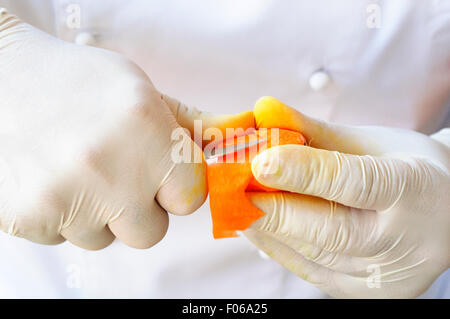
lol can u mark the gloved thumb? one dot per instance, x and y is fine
(369, 182)
(186, 181)
(186, 117)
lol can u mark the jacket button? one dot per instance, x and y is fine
(85, 38)
(319, 80)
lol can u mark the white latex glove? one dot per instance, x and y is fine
(85, 145)
(379, 222)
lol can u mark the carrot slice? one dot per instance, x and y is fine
(231, 177)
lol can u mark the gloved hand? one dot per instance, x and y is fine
(85, 145)
(369, 210)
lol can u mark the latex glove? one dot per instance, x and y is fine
(85, 145)
(379, 222)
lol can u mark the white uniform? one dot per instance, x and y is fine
(358, 62)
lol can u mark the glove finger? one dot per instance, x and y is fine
(115, 198)
(390, 267)
(140, 226)
(176, 179)
(184, 189)
(132, 164)
(357, 140)
(334, 283)
(89, 238)
(377, 283)
(271, 113)
(351, 265)
(359, 181)
(324, 224)
(33, 228)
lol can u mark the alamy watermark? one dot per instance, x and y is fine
(234, 145)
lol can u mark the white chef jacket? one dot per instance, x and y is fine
(364, 62)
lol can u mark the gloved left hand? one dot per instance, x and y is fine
(86, 144)
(369, 210)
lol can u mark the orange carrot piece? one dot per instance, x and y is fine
(228, 182)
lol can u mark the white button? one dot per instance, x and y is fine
(85, 38)
(319, 80)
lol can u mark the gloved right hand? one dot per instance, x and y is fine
(85, 145)
(367, 212)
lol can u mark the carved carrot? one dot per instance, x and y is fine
(231, 177)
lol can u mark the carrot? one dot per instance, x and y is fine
(231, 177)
